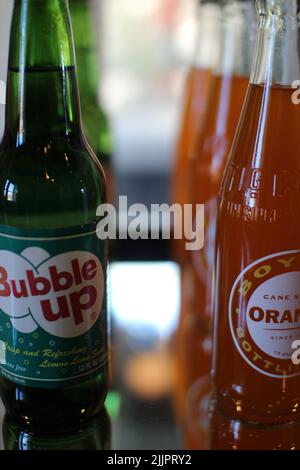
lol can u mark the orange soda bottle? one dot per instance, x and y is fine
(230, 77)
(194, 105)
(228, 90)
(257, 288)
(211, 152)
(196, 98)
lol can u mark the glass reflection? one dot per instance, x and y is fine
(94, 435)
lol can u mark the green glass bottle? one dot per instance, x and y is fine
(95, 434)
(95, 121)
(53, 321)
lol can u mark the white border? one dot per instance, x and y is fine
(230, 314)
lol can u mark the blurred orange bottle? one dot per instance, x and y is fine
(239, 25)
(197, 415)
(257, 295)
(196, 98)
(237, 30)
(194, 105)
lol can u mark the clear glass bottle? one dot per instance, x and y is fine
(188, 346)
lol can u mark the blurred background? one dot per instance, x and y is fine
(139, 53)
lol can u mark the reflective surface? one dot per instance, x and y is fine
(95, 435)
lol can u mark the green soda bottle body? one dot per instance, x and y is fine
(53, 338)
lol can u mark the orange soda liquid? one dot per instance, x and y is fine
(210, 158)
(257, 296)
(196, 99)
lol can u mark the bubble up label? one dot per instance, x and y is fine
(53, 329)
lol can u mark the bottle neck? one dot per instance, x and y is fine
(42, 93)
(277, 60)
(208, 41)
(238, 33)
(85, 47)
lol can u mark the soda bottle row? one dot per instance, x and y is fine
(223, 55)
(245, 283)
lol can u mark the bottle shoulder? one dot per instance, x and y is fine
(60, 157)
(62, 183)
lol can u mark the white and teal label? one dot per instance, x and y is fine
(53, 325)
